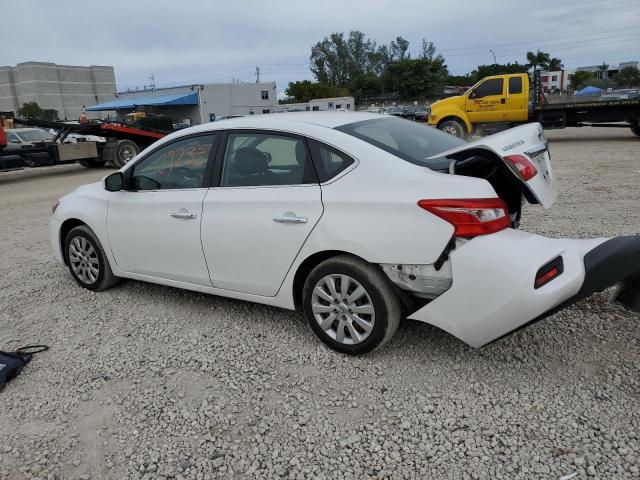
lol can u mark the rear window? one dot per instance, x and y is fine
(410, 141)
(515, 85)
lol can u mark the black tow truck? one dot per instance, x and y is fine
(121, 143)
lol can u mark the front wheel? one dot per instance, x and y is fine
(453, 127)
(635, 128)
(87, 261)
(350, 305)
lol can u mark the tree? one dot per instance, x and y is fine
(603, 70)
(628, 77)
(555, 64)
(496, 69)
(538, 59)
(338, 60)
(417, 78)
(365, 86)
(30, 110)
(580, 79)
(305, 90)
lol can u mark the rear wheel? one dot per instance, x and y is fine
(120, 153)
(350, 305)
(453, 127)
(87, 261)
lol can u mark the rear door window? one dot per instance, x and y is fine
(265, 159)
(515, 85)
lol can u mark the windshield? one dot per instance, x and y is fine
(35, 136)
(411, 141)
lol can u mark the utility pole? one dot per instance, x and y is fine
(153, 82)
(257, 74)
(495, 62)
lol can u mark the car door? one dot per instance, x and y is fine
(265, 203)
(517, 100)
(154, 225)
(486, 102)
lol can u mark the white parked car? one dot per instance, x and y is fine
(356, 219)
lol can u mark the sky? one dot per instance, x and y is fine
(198, 41)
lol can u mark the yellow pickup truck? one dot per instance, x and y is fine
(499, 102)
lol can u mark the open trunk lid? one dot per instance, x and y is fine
(527, 141)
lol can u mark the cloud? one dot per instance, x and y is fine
(181, 42)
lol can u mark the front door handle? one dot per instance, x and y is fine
(184, 214)
(503, 101)
(290, 217)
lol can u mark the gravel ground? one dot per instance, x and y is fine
(145, 381)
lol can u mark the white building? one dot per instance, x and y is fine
(611, 71)
(195, 104)
(320, 105)
(558, 80)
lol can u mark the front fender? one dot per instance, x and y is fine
(450, 113)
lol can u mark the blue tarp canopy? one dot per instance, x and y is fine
(160, 100)
(589, 90)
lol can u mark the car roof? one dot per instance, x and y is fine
(322, 119)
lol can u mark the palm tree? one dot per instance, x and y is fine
(603, 70)
(555, 64)
(538, 59)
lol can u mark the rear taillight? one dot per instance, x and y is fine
(523, 166)
(471, 217)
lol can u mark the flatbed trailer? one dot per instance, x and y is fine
(122, 143)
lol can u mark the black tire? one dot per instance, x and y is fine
(92, 162)
(378, 288)
(104, 278)
(635, 128)
(453, 127)
(123, 152)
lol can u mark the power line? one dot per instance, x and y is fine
(484, 47)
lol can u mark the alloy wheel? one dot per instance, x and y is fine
(343, 309)
(83, 259)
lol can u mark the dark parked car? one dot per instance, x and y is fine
(421, 113)
(404, 112)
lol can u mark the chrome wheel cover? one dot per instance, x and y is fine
(83, 259)
(127, 153)
(343, 309)
(451, 130)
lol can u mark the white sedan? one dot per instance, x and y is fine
(356, 219)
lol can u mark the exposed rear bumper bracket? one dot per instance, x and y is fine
(616, 261)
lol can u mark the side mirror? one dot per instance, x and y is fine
(472, 94)
(114, 182)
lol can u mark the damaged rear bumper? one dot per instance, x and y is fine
(493, 292)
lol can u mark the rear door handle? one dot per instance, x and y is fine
(184, 214)
(290, 217)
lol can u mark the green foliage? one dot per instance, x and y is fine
(417, 78)
(460, 80)
(338, 60)
(628, 77)
(305, 90)
(581, 79)
(366, 85)
(33, 110)
(496, 69)
(357, 63)
(555, 64)
(538, 60)
(30, 110)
